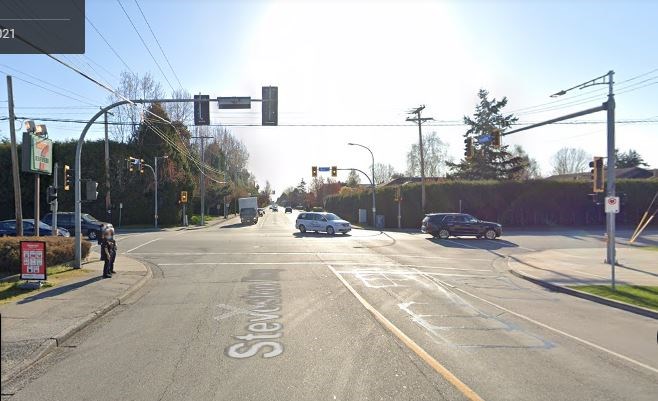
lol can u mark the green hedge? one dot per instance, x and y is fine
(58, 250)
(512, 203)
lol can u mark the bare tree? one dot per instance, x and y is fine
(180, 111)
(353, 179)
(570, 161)
(383, 173)
(436, 156)
(132, 86)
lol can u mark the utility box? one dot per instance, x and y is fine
(379, 223)
(363, 216)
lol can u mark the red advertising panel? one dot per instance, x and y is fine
(33, 260)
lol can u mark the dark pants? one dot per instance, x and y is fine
(107, 267)
(113, 255)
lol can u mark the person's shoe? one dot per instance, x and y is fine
(113, 272)
(107, 276)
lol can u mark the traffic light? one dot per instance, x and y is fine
(183, 196)
(141, 166)
(468, 148)
(598, 176)
(91, 190)
(130, 161)
(67, 177)
(495, 138)
(314, 171)
(270, 109)
(334, 171)
(51, 194)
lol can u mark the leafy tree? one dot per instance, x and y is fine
(488, 162)
(629, 159)
(570, 161)
(132, 86)
(435, 153)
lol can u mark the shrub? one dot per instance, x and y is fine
(512, 203)
(195, 220)
(58, 250)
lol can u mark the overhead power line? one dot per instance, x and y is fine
(159, 46)
(145, 45)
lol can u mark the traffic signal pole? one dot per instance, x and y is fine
(609, 107)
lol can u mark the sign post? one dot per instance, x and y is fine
(33, 262)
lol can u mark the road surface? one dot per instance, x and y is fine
(265, 313)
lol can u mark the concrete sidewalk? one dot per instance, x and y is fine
(33, 326)
(567, 267)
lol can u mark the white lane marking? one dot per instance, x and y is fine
(404, 273)
(139, 246)
(305, 253)
(546, 326)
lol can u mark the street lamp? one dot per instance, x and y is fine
(155, 175)
(374, 205)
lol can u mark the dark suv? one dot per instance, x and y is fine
(443, 225)
(91, 227)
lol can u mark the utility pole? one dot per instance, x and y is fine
(202, 186)
(155, 175)
(417, 111)
(18, 209)
(610, 108)
(108, 201)
(374, 187)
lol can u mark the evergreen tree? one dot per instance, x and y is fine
(629, 159)
(488, 162)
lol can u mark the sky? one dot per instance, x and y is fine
(367, 63)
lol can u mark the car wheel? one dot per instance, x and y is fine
(444, 234)
(302, 229)
(92, 235)
(490, 234)
(330, 230)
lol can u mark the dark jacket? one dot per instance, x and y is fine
(108, 248)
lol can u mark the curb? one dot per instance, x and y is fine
(51, 343)
(584, 295)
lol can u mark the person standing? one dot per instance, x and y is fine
(106, 256)
(113, 249)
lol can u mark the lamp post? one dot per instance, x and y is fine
(374, 204)
(155, 175)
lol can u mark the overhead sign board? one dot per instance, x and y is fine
(323, 169)
(37, 154)
(612, 204)
(33, 260)
(202, 110)
(484, 138)
(234, 102)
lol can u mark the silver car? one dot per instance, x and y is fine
(322, 222)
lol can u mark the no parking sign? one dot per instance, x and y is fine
(612, 204)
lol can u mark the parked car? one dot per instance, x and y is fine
(90, 226)
(288, 209)
(8, 229)
(444, 225)
(275, 208)
(325, 222)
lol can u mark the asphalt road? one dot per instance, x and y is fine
(265, 313)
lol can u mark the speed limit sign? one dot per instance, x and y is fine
(612, 204)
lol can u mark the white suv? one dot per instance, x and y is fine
(325, 222)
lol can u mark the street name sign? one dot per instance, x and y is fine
(234, 102)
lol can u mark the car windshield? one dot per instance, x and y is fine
(89, 217)
(491, 168)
